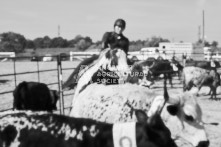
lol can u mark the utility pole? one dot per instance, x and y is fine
(203, 38)
(58, 30)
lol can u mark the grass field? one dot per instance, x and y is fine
(211, 109)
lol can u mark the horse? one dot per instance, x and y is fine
(112, 62)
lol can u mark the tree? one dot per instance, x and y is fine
(38, 42)
(59, 42)
(46, 42)
(30, 44)
(82, 44)
(214, 44)
(11, 41)
(71, 43)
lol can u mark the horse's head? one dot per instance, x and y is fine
(118, 59)
(115, 60)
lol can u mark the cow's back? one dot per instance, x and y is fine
(42, 129)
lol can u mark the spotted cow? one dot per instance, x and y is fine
(25, 129)
(182, 114)
(34, 96)
(198, 77)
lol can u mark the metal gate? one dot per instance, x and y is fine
(59, 82)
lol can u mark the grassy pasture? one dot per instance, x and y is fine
(211, 109)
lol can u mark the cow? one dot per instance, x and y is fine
(111, 105)
(204, 64)
(138, 76)
(155, 68)
(177, 68)
(34, 96)
(49, 130)
(198, 77)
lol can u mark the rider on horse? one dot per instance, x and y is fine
(112, 40)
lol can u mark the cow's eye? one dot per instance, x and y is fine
(189, 118)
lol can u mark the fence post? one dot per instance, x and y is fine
(60, 83)
(14, 60)
(38, 70)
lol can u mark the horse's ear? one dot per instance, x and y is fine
(108, 54)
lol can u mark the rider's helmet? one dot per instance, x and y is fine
(121, 23)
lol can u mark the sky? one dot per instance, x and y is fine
(176, 20)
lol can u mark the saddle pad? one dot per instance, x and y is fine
(124, 134)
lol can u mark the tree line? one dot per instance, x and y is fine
(15, 42)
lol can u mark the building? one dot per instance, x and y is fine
(179, 49)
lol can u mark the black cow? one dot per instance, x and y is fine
(203, 64)
(138, 76)
(34, 96)
(51, 130)
(157, 67)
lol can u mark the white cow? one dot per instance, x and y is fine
(112, 103)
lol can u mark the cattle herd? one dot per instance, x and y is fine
(114, 105)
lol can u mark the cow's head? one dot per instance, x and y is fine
(176, 65)
(183, 116)
(156, 131)
(54, 98)
(138, 76)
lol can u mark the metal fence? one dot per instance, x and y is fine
(59, 70)
(38, 71)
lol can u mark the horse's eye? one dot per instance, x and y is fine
(189, 118)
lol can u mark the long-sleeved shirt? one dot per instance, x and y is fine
(113, 40)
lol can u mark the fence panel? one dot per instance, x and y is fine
(16, 70)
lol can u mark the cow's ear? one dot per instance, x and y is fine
(172, 109)
(141, 116)
(155, 121)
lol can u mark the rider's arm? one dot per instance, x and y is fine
(105, 42)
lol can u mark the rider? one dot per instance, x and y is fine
(114, 39)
